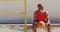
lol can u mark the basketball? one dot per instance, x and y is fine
(41, 25)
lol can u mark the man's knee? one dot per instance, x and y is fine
(35, 23)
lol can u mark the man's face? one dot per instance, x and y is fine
(39, 7)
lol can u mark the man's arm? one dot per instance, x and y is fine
(47, 19)
(35, 19)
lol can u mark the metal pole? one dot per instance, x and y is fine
(25, 29)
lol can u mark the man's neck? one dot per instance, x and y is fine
(40, 11)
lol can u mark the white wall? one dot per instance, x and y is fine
(12, 6)
(52, 6)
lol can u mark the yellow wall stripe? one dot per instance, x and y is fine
(11, 13)
(10, 0)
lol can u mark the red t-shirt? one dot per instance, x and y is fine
(39, 16)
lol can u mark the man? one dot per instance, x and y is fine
(40, 18)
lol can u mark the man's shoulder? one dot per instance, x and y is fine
(45, 11)
(35, 11)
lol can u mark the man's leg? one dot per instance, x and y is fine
(34, 26)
